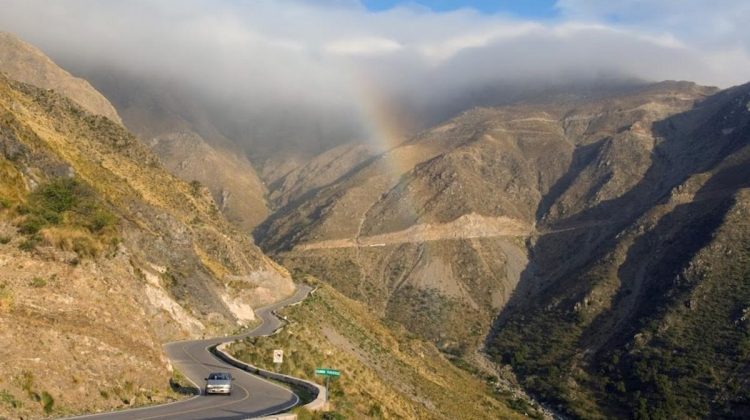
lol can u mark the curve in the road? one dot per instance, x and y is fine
(251, 396)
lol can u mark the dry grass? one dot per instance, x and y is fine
(386, 373)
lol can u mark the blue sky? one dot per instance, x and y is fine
(530, 9)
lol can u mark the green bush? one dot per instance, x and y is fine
(32, 224)
(4, 239)
(30, 243)
(48, 403)
(85, 247)
(5, 203)
(38, 282)
(9, 399)
(64, 201)
(57, 196)
(99, 220)
(195, 188)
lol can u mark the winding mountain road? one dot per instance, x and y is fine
(251, 396)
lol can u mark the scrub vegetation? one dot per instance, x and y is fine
(386, 372)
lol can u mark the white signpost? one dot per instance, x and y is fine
(278, 358)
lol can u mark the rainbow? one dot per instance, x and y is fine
(384, 121)
(386, 124)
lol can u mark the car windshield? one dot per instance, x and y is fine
(218, 376)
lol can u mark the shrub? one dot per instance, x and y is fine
(85, 246)
(74, 240)
(48, 403)
(99, 220)
(69, 213)
(32, 224)
(26, 381)
(57, 196)
(38, 282)
(30, 243)
(195, 188)
(5, 203)
(51, 202)
(375, 411)
(9, 399)
(4, 239)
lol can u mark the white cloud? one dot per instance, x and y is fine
(258, 57)
(362, 46)
(700, 23)
(447, 48)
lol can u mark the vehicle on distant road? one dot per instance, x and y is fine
(219, 383)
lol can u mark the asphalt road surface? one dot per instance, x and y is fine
(251, 396)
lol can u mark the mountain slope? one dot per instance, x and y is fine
(25, 63)
(385, 372)
(105, 255)
(230, 178)
(188, 143)
(652, 323)
(433, 233)
(317, 172)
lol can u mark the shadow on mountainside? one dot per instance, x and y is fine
(265, 229)
(684, 149)
(538, 331)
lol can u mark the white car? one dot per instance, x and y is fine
(219, 383)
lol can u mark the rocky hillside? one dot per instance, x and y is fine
(24, 62)
(317, 172)
(433, 234)
(229, 177)
(606, 236)
(640, 307)
(188, 143)
(104, 256)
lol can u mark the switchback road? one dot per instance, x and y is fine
(251, 396)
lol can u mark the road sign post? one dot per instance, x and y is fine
(278, 358)
(327, 373)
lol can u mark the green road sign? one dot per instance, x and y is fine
(327, 372)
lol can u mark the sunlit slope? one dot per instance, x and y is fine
(436, 233)
(187, 141)
(104, 256)
(386, 372)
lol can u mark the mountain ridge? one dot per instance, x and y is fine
(24, 62)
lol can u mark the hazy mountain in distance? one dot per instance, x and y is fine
(320, 171)
(186, 139)
(279, 132)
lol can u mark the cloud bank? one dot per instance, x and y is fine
(323, 59)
